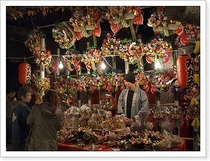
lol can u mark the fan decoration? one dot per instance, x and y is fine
(71, 61)
(110, 46)
(123, 17)
(64, 35)
(157, 48)
(33, 41)
(141, 79)
(160, 82)
(131, 52)
(43, 57)
(187, 34)
(160, 23)
(86, 22)
(138, 18)
(90, 57)
(42, 84)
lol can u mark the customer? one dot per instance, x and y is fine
(10, 101)
(20, 113)
(45, 121)
(133, 101)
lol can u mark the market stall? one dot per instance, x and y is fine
(89, 93)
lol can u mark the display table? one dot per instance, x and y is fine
(69, 147)
(181, 147)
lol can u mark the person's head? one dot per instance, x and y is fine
(11, 92)
(24, 94)
(51, 96)
(130, 80)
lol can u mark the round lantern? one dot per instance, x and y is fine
(24, 73)
(184, 71)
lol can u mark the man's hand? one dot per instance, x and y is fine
(127, 121)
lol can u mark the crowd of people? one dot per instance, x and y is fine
(34, 127)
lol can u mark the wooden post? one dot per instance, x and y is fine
(42, 71)
(126, 67)
(58, 60)
(133, 33)
(114, 62)
(42, 66)
(89, 99)
(94, 41)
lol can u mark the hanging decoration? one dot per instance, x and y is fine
(138, 19)
(97, 30)
(33, 41)
(64, 35)
(141, 79)
(123, 17)
(185, 71)
(86, 21)
(24, 73)
(90, 57)
(43, 57)
(110, 46)
(133, 51)
(160, 23)
(159, 48)
(187, 34)
(42, 84)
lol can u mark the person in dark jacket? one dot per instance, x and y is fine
(45, 121)
(20, 113)
(10, 100)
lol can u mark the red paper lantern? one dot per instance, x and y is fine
(184, 71)
(24, 73)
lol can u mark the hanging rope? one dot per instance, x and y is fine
(18, 58)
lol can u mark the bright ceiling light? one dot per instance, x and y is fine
(60, 66)
(157, 64)
(103, 65)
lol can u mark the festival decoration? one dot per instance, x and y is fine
(161, 82)
(160, 23)
(197, 47)
(141, 79)
(64, 35)
(187, 34)
(138, 19)
(86, 21)
(71, 61)
(110, 46)
(24, 73)
(41, 84)
(43, 57)
(131, 52)
(33, 41)
(90, 57)
(123, 17)
(157, 49)
(85, 115)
